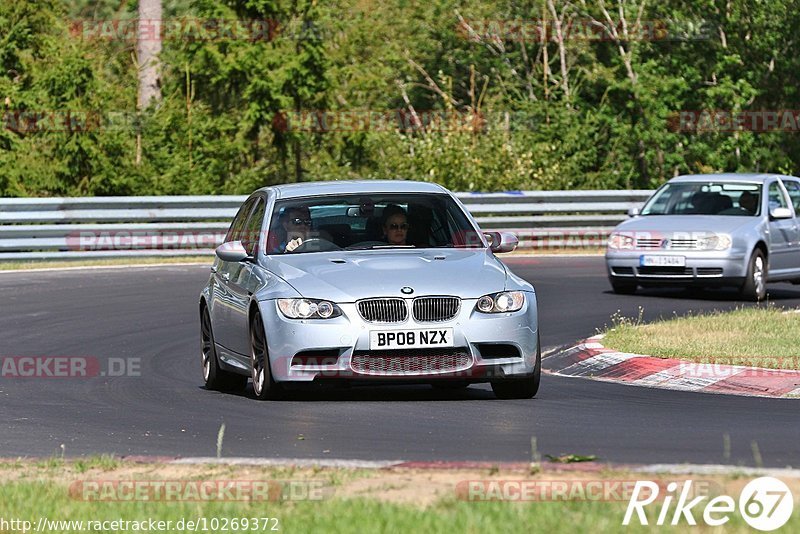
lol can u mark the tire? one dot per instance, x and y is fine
(521, 388)
(214, 376)
(264, 387)
(623, 287)
(755, 284)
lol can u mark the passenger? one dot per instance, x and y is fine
(749, 202)
(395, 225)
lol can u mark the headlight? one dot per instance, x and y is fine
(507, 301)
(308, 309)
(714, 242)
(620, 242)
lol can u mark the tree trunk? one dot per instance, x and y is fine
(148, 47)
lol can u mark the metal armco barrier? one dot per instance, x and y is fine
(98, 227)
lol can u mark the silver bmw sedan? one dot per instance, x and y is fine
(365, 282)
(739, 230)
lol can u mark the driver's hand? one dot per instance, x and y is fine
(293, 244)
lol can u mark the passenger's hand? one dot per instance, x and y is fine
(293, 244)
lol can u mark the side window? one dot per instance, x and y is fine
(794, 194)
(252, 232)
(776, 197)
(235, 231)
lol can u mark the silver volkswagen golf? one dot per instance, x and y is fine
(739, 230)
(366, 281)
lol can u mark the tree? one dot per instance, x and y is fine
(148, 48)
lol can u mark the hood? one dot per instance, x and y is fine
(686, 223)
(353, 275)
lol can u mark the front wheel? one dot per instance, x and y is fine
(521, 388)
(264, 386)
(755, 284)
(215, 377)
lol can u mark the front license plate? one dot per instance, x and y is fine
(411, 339)
(662, 261)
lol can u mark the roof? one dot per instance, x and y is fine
(728, 177)
(344, 187)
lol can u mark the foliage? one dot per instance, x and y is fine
(603, 117)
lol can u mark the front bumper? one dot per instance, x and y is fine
(485, 347)
(708, 268)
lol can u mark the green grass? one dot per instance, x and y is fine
(25, 265)
(31, 500)
(104, 462)
(550, 251)
(757, 337)
(42, 489)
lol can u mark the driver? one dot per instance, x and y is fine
(296, 223)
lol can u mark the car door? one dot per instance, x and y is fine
(226, 277)
(242, 282)
(793, 188)
(782, 232)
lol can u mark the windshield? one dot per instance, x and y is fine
(369, 221)
(706, 198)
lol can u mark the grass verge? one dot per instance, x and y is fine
(27, 265)
(756, 337)
(353, 500)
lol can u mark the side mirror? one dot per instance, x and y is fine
(780, 213)
(232, 251)
(502, 241)
(634, 211)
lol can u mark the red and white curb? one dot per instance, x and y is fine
(590, 359)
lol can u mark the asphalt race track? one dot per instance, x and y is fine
(150, 314)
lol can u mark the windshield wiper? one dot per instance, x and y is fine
(378, 247)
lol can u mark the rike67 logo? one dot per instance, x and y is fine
(765, 503)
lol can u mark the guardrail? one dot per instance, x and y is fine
(98, 227)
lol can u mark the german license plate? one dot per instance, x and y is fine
(662, 261)
(411, 339)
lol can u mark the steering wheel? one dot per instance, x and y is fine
(316, 244)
